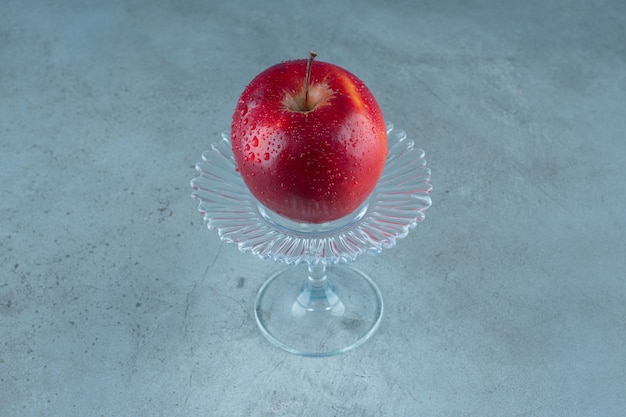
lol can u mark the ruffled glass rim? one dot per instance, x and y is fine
(396, 205)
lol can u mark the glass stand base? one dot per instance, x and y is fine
(314, 310)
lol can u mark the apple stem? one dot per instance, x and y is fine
(312, 56)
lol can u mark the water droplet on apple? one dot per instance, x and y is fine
(250, 156)
(247, 146)
(255, 141)
(245, 121)
(266, 156)
(244, 111)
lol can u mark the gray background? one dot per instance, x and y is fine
(508, 300)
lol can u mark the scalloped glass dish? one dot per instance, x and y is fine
(322, 308)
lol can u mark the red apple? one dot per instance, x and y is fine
(309, 140)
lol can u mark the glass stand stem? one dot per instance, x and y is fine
(317, 294)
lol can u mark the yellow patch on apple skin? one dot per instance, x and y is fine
(352, 91)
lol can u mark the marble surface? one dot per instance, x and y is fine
(509, 300)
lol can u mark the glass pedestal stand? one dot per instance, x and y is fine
(318, 306)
